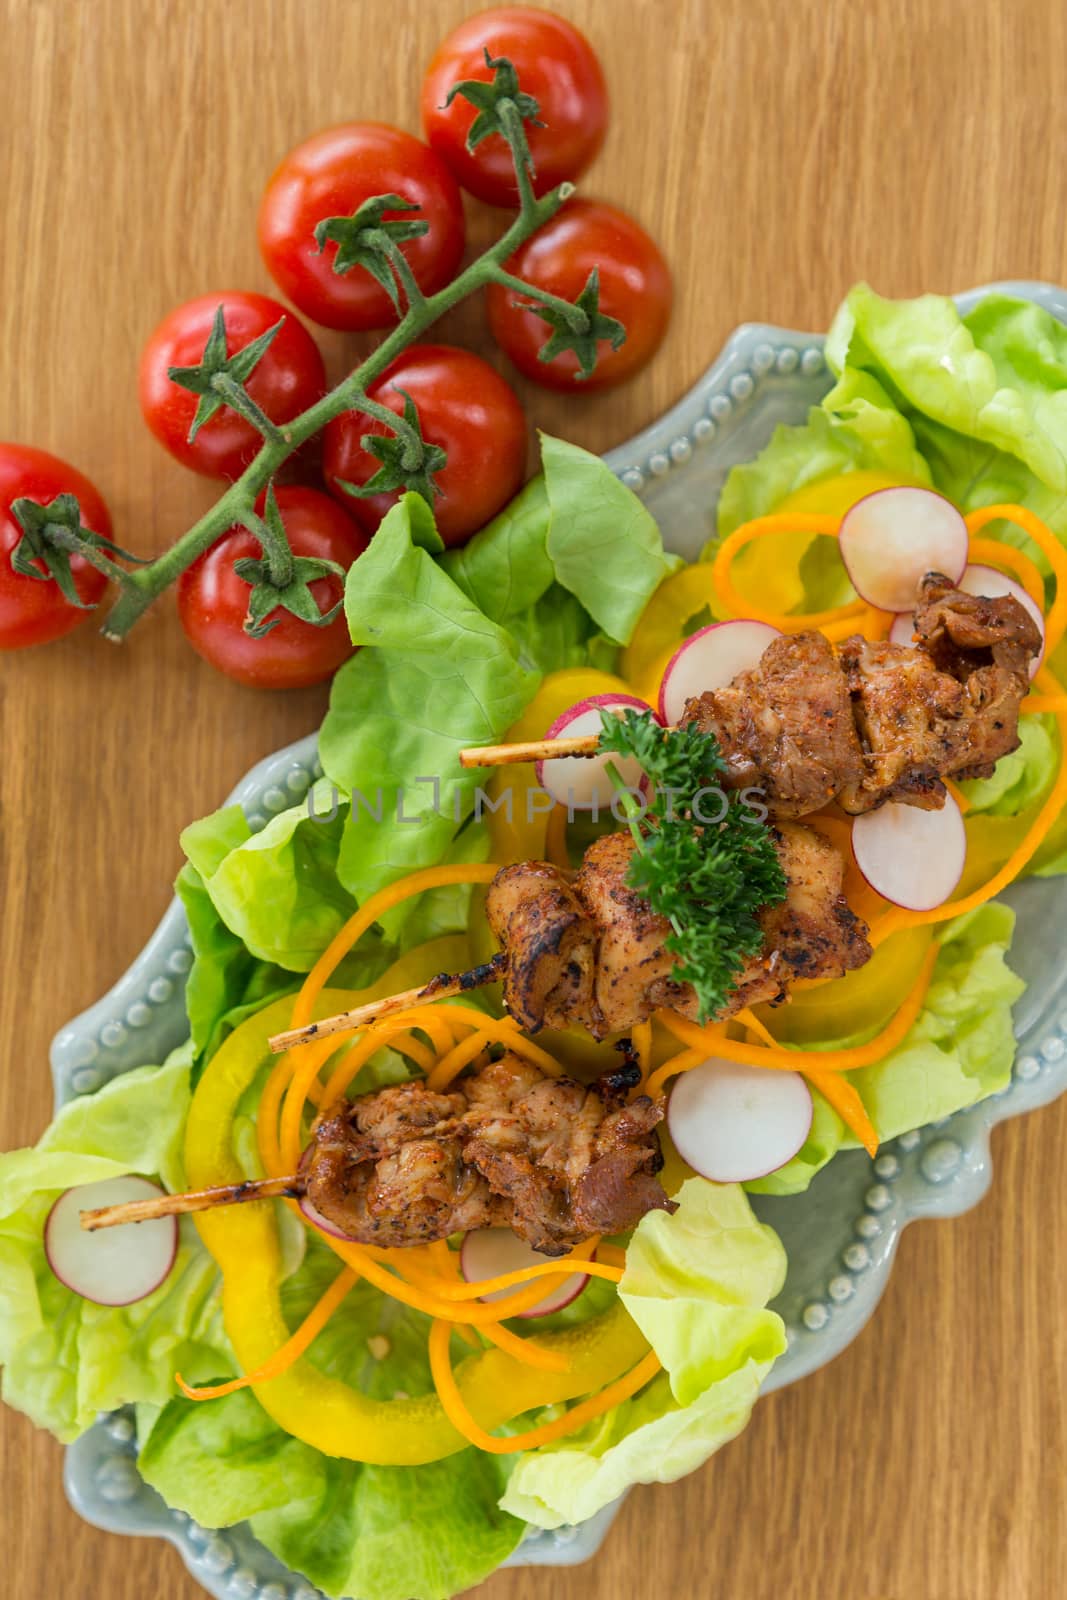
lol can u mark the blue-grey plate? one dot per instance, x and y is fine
(840, 1236)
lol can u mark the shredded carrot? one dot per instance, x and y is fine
(958, 795)
(392, 1032)
(843, 629)
(443, 1300)
(1050, 547)
(682, 1062)
(1034, 703)
(525, 1350)
(705, 1044)
(642, 1045)
(611, 1255)
(546, 1269)
(274, 1091)
(406, 1044)
(1006, 558)
(456, 1410)
(309, 1058)
(1050, 811)
(556, 837)
(267, 1116)
(291, 1350)
(748, 1019)
(503, 1031)
(367, 915)
(876, 624)
(460, 1056)
(732, 601)
(845, 1099)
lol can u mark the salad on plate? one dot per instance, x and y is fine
(631, 887)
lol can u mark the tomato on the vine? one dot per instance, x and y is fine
(555, 64)
(635, 288)
(331, 175)
(288, 378)
(33, 610)
(213, 600)
(467, 409)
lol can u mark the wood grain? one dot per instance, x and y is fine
(779, 149)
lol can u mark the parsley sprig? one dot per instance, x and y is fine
(711, 880)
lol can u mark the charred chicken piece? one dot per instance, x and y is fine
(948, 708)
(811, 934)
(571, 1160)
(814, 933)
(551, 942)
(554, 1160)
(389, 1169)
(786, 726)
(633, 969)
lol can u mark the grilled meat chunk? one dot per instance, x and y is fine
(987, 646)
(538, 919)
(572, 1161)
(633, 969)
(786, 726)
(949, 707)
(813, 933)
(389, 1168)
(554, 1160)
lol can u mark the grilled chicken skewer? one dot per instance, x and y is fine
(868, 723)
(589, 951)
(555, 1160)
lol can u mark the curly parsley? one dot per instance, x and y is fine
(704, 859)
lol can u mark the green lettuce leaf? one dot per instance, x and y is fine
(576, 544)
(697, 1285)
(857, 428)
(960, 1049)
(378, 1533)
(1021, 778)
(440, 675)
(277, 890)
(64, 1359)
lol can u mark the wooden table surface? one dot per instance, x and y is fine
(779, 149)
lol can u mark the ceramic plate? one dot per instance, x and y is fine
(840, 1236)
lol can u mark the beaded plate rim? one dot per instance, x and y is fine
(937, 1171)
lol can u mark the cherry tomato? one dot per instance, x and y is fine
(33, 611)
(288, 378)
(467, 409)
(555, 64)
(635, 287)
(332, 175)
(213, 600)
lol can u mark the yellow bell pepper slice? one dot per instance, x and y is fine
(322, 1411)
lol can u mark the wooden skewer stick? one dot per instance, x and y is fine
(506, 755)
(173, 1205)
(442, 987)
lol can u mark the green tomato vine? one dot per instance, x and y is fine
(366, 241)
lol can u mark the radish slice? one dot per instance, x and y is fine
(490, 1252)
(903, 629)
(580, 782)
(992, 584)
(711, 659)
(732, 1122)
(324, 1225)
(114, 1266)
(914, 858)
(892, 538)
